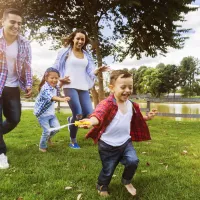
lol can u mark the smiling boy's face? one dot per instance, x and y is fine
(122, 88)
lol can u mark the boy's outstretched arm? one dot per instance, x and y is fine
(93, 121)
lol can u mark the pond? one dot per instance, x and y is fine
(178, 108)
(192, 108)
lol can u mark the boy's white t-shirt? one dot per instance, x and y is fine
(51, 109)
(11, 59)
(118, 131)
(75, 68)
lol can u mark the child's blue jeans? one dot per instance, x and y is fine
(110, 157)
(46, 123)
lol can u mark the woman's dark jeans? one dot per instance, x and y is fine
(10, 107)
(80, 105)
(110, 157)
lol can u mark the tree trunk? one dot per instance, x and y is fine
(98, 96)
(95, 97)
(99, 61)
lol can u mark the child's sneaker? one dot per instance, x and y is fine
(3, 161)
(74, 146)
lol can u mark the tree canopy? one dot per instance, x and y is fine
(142, 26)
(117, 27)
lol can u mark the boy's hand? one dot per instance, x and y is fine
(151, 114)
(85, 123)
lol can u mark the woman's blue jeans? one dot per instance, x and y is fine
(110, 157)
(46, 123)
(10, 107)
(80, 105)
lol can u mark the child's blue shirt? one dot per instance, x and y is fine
(44, 99)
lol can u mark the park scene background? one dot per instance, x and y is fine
(123, 34)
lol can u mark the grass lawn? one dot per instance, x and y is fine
(169, 166)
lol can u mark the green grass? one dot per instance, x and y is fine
(164, 172)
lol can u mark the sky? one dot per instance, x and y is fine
(44, 58)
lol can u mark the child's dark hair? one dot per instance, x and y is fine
(11, 11)
(116, 73)
(69, 39)
(50, 69)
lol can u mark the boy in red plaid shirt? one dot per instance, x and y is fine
(116, 123)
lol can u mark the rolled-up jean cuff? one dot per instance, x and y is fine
(102, 188)
(125, 182)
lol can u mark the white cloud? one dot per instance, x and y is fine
(42, 57)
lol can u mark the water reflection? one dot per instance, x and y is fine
(161, 107)
(176, 108)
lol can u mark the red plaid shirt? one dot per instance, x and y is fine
(23, 63)
(106, 111)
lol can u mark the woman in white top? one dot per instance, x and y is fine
(78, 74)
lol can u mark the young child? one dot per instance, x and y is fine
(117, 122)
(44, 106)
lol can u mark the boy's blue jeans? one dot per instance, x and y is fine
(80, 105)
(46, 123)
(110, 157)
(10, 107)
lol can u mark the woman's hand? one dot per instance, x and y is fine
(101, 69)
(65, 80)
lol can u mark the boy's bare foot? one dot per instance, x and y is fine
(103, 193)
(131, 189)
(50, 142)
(43, 150)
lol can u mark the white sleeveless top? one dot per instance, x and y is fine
(75, 68)
(118, 131)
(11, 59)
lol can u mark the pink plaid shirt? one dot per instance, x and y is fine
(23, 63)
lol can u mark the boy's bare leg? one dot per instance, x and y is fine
(131, 189)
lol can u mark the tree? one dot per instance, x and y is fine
(142, 26)
(138, 78)
(170, 78)
(189, 69)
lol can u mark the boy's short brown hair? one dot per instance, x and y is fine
(116, 73)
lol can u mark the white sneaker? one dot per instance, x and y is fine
(3, 161)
